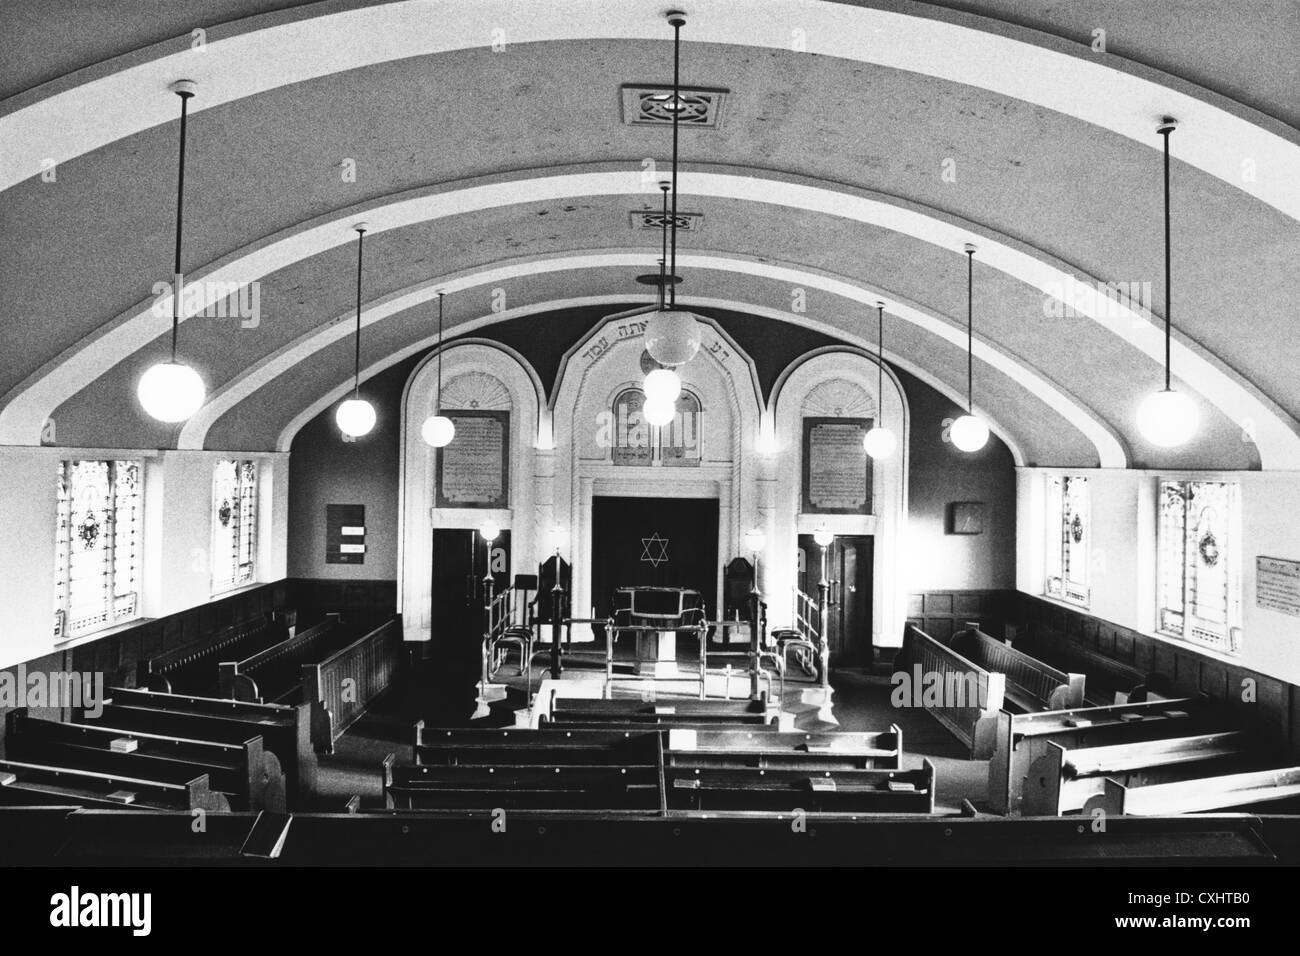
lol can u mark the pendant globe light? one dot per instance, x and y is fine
(438, 430)
(969, 432)
(171, 391)
(356, 416)
(672, 336)
(663, 384)
(1167, 418)
(880, 441)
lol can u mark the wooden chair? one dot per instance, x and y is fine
(522, 633)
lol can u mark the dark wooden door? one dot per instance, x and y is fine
(461, 558)
(656, 542)
(849, 566)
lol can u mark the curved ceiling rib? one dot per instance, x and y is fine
(75, 115)
(285, 440)
(1110, 450)
(28, 406)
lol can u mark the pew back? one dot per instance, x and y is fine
(971, 695)
(1033, 684)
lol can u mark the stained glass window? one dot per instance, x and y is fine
(1069, 535)
(633, 441)
(97, 548)
(234, 524)
(1199, 571)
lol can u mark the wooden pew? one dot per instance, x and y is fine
(578, 711)
(1109, 681)
(789, 789)
(247, 773)
(1062, 781)
(804, 751)
(1030, 684)
(512, 746)
(1020, 739)
(1198, 794)
(468, 787)
(274, 674)
(192, 668)
(972, 721)
(29, 783)
(285, 731)
(369, 663)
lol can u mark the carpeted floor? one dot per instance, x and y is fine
(861, 703)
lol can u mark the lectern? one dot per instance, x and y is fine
(655, 614)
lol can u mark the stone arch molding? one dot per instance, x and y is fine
(838, 383)
(722, 376)
(27, 408)
(496, 377)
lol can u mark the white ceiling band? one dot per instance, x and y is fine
(30, 405)
(274, 51)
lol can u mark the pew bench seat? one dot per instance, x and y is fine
(787, 790)
(45, 784)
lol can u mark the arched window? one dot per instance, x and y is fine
(97, 552)
(1068, 538)
(1199, 562)
(234, 524)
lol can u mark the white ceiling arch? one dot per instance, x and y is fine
(1111, 451)
(72, 116)
(332, 395)
(28, 406)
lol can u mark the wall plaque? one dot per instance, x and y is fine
(474, 470)
(1277, 585)
(836, 469)
(345, 534)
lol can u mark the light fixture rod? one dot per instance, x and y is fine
(1166, 128)
(437, 406)
(970, 329)
(676, 19)
(356, 367)
(880, 363)
(663, 258)
(184, 92)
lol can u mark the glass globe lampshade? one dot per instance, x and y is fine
(438, 431)
(672, 336)
(662, 385)
(657, 412)
(1167, 418)
(489, 530)
(355, 417)
(558, 538)
(170, 392)
(823, 536)
(755, 539)
(879, 442)
(969, 433)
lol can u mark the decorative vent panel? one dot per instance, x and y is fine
(701, 108)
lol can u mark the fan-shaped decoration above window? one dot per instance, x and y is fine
(476, 390)
(839, 398)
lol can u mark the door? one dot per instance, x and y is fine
(461, 558)
(655, 542)
(849, 564)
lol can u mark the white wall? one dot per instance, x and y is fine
(1122, 556)
(177, 513)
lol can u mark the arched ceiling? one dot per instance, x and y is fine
(513, 170)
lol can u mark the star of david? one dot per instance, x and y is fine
(654, 549)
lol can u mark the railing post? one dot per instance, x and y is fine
(756, 636)
(557, 598)
(823, 624)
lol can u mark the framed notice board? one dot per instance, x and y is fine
(474, 470)
(345, 534)
(836, 469)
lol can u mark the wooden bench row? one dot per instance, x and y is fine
(645, 768)
(1150, 758)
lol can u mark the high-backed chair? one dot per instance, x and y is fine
(521, 632)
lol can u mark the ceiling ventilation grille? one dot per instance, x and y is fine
(654, 219)
(652, 106)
